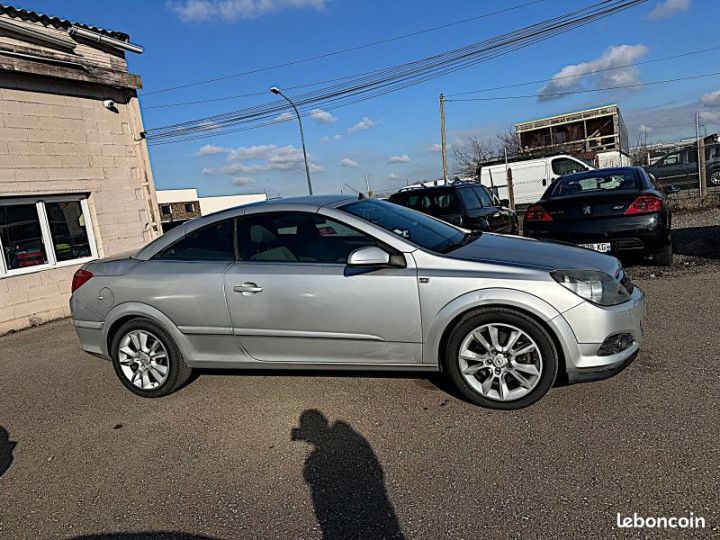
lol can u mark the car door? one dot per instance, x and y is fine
(293, 299)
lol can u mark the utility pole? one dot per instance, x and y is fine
(442, 137)
(367, 186)
(700, 155)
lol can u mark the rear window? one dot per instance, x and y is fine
(584, 185)
(436, 202)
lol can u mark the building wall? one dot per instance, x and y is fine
(56, 137)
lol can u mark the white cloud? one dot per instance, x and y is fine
(393, 176)
(576, 76)
(232, 10)
(644, 128)
(712, 99)
(242, 180)
(710, 117)
(246, 160)
(399, 159)
(347, 162)
(328, 139)
(323, 117)
(668, 8)
(436, 148)
(210, 149)
(284, 117)
(362, 125)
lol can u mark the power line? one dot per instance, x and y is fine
(673, 57)
(342, 51)
(516, 85)
(588, 90)
(392, 79)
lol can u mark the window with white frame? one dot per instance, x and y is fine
(42, 232)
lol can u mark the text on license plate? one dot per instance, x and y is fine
(602, 247)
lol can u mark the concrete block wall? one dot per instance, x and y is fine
(57, 137)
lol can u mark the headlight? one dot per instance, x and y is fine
(597, 287)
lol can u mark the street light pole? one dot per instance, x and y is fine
(275, 90)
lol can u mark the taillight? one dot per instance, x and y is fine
(645, 204)
(537, 213)
(80, 278)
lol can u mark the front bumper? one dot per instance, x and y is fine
(585, 327)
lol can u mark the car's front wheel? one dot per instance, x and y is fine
(501, 358)
(147, 360)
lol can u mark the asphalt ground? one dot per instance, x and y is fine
(81, 457)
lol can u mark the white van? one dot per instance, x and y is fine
(530, 177)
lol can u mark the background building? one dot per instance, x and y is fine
(176, 206)
(75, 180)
(582, 133)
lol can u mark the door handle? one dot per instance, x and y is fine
(247, 288)
(496, 214)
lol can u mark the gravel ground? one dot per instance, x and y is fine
(696, 244)
(81, 457)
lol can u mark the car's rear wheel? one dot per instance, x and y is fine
(147, 360)
(714, 178)
(501, 358)
(664, 257)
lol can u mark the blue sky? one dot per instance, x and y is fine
(392, 138)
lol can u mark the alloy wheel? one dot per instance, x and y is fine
(715, 178)
(143, 359)
(500, 361)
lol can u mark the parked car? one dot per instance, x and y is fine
(679, 167)
(618, 211)
(338, 283)
(530, 177)
(471, 206)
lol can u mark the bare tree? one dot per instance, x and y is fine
(639, 153)
(509, 142)
(470, 154)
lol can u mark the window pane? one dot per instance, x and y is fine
(21, 236)
(469, 199)
(484, 196)
(68, 230)
(566, 166)
(297, 237)
(212, 243)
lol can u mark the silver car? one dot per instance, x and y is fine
(332, 282)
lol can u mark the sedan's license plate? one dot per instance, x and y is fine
(602, 247)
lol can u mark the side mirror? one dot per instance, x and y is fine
(368, 256)
(672, 189)
(505, 202)
(544, 182)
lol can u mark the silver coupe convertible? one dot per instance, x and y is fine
(331, 282)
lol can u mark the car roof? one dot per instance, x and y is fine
(437, 188)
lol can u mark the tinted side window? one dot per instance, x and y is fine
(297, 237)
(211, 243)
(469, 198)
(671, 159)
(567, 166)
(484, 196)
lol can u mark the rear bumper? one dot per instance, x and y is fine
(586, 326)
(90, 334)
(640, 234)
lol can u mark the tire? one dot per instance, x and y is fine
(713, 178)
(543, 357)
(177, 372)
(664, 257)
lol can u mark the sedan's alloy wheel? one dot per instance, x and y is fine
(715, 178)
(143, 359)
(500, 361)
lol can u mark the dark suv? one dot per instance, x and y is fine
(471, 206)
(679, 167)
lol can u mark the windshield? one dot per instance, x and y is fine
(416, 227)
(585, 185)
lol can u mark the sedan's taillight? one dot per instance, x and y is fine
(645, 204)
(537, 213)
(80, 278)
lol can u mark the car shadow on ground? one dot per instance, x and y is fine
(6, 450)
(148, 535)
(703, 242)
(346, 481)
